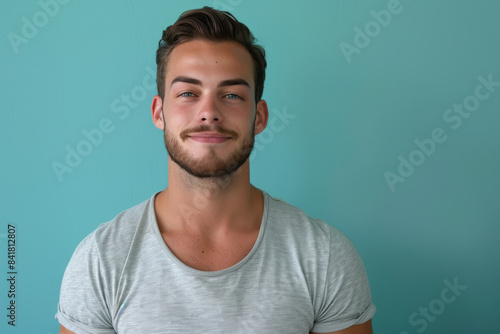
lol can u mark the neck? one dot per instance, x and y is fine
(208, 206)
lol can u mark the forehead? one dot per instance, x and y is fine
(208, 60)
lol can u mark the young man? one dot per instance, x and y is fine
(212, 253)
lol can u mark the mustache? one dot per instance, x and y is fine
(208, 128)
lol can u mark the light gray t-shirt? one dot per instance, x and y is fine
(301, 275)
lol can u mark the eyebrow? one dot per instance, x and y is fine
(225, 83)
(233, 82)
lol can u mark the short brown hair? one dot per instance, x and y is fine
(214, 25)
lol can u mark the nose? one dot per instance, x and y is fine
(210, 111)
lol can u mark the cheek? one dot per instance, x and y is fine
(242, 123)
(175, 119)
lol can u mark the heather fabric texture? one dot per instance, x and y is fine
(302, 275)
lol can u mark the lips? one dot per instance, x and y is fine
(209, 137)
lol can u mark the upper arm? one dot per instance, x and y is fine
(364, 328)
(83, 304)
(64, 330)
(346, 300)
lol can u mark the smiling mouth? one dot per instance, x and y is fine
(209, 137)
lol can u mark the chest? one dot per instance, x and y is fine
(246, 302)
(199, 254)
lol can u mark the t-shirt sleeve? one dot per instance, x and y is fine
(347, 298)
(83, 304)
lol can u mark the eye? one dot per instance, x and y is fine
(233, 97)
(186, 94)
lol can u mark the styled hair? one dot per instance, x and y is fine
(214, 25)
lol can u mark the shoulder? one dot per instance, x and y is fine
(123, 227)
(315, 242)
(334, 272)
(293, 220)
(111, 241)
(89, 287)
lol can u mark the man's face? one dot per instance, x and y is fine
(209, 112)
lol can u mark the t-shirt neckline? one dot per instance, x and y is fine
(156, 230)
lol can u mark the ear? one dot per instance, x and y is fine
(261, 117)
(157, 112)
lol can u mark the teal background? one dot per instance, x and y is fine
(351, 121)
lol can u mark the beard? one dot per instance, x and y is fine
(211, 165)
